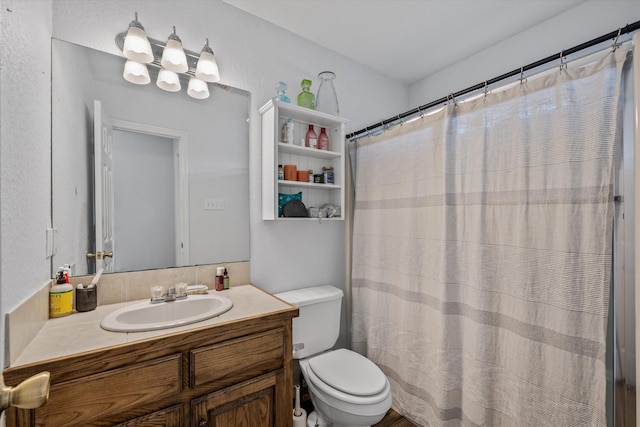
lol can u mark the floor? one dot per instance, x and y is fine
(393, 419)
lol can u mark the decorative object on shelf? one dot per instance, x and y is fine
(326, 99)
(294, 209)
(283, 199)
(306, 98)
(311, 139)
(327, 171)
(303, 175)
(281, 87)
(287, 131)
(290, 173)
(172, 60)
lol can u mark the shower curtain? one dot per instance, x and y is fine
(481, 253)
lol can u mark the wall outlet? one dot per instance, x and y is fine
(214, 204)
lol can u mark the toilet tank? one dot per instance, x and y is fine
(318, 325)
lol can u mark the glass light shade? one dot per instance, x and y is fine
(207, 68)
(168, 80)
(136, 72)
(173, 57)
(137, 47)
(197, 88)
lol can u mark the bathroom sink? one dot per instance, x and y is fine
(146, 316)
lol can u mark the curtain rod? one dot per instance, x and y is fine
(629, 28)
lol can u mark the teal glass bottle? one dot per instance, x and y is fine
(306, 98)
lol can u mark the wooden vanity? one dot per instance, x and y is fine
(233, 370)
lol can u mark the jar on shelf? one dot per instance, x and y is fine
(327, 171)
(323, 140)
(306, 98)
(280, 172)
(326, 99)
(310, 179)
(281, 87)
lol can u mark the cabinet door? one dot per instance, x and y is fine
(252, 403)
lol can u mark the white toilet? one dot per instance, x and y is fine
(346, 388)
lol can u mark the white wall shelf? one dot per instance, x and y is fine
(276, 152)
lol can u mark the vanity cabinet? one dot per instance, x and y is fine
(275, 151)
(234, 373)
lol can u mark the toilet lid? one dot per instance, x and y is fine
(348, 372)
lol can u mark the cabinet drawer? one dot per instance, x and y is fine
(98, 396)
(237, 360)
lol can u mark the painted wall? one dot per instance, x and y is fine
(25, 150)
(584, 22)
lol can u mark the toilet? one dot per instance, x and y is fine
(346, 388)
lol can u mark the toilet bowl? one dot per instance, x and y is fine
(346, 388)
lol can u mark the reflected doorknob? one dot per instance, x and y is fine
(100, 255)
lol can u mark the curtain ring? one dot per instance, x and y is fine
(486, 88)
(615, 44)
(522, 79)
(420, 113)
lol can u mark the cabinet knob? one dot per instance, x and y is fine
(203, 423)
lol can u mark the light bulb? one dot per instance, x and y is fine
(207, 68)
(197, 88)
(173, 57)
(136, 73)
(136, 45)
(168, 80)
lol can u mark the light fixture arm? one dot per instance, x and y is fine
(136, 23)
(157, 47)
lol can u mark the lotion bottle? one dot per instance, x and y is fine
(220, 279)
(60, 297)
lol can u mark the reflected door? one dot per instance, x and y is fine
(103, 188)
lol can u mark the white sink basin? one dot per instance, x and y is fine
(145, 316)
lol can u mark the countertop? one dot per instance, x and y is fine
(81, 332)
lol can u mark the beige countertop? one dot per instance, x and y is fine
(81, 332)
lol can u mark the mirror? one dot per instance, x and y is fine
(202, 180)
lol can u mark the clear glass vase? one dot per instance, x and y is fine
(326, 99)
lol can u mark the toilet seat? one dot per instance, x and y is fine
(348, 372)
(341, 396)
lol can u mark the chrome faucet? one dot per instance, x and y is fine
(171, 295)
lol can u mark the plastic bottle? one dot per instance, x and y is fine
(323, 140)
(60, 297)
(306, 98)
(311, 139)
(280, 172)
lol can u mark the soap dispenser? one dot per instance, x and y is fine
(61, 296)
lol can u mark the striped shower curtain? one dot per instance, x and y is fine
(482, 253)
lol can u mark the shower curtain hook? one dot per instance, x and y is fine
(615, 42)
(420, 113)
(522, 79)
(486, 89)
(562, 64)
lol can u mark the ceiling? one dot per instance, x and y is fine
(386, 34)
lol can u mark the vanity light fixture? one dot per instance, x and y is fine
(174, 63)
(207, 68)
(173, 57)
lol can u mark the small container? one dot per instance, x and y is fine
(306, 98)
(287, 131)
(290, 173)
(310, 175)
(303, 176)
(280, 172)
(311, 139)
(323, 140)
(318, 178)
(86, 299)
(225, 279)
(60, 300)
(328, 174)
(220, 279)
